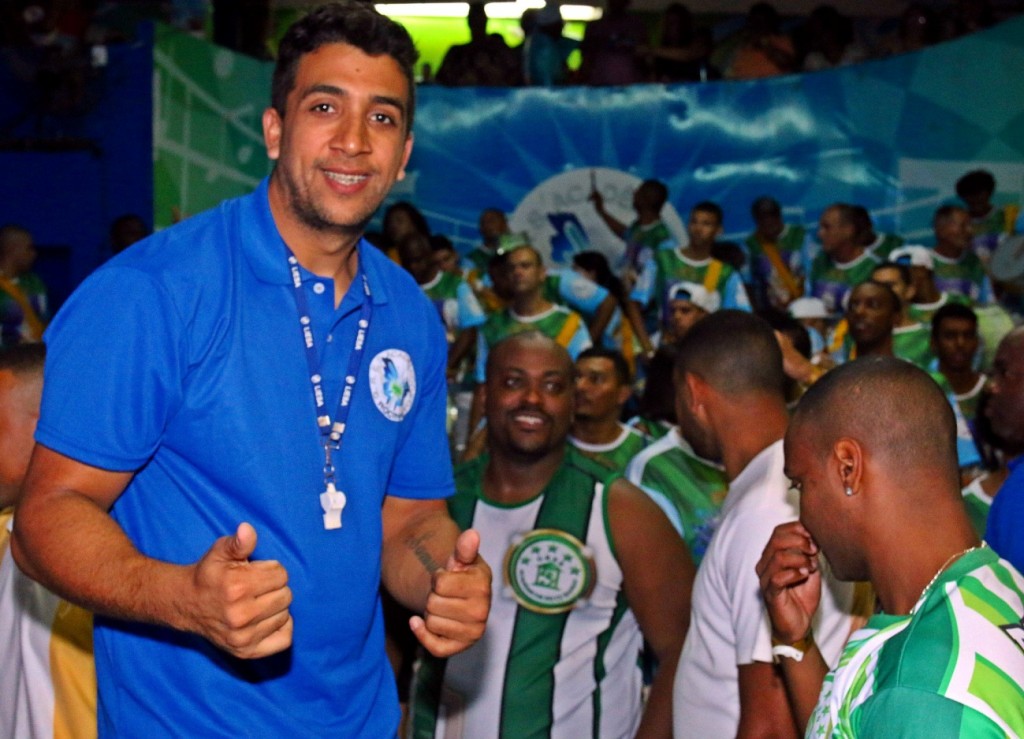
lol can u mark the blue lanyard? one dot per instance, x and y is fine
(331, 434)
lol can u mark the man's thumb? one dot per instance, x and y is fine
(466, 548)
(240, 546)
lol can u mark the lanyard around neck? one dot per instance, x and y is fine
(331, 433)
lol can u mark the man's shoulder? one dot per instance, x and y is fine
(654, 453)
(196, 245)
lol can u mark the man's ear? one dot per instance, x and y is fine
(405, 157)
(696, 394)
(848, 461)
(272, 132)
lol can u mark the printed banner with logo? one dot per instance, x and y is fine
(892, 135)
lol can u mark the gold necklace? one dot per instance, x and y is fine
(946, 564)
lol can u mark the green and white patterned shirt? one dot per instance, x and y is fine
(952, 667)
(617, 454)
(689, 489)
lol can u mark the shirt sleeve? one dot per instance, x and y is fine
(116, 359)
(1003, 527)
(643, 290)
(422, 466)
(749, 619)
(470, 312)
(580, 293)
(580, 341)
(481, 357)
(735, 294)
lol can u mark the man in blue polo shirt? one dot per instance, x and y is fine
(229, 475)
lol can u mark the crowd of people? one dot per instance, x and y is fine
(703, 489)
(706, 447)
(624, 48)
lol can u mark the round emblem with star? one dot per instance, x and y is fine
(549, 571)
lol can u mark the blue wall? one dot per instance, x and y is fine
(68, 198)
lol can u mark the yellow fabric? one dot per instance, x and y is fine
(713, 274)
(74, 673)
(839, 336)
(1010, 213)
(791, 284)
(569, 328)
(5, 516)
(35, 324)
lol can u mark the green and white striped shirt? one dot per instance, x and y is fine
(952, 667)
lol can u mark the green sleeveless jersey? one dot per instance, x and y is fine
(559, 656)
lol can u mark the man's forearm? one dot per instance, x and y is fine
(65, 538)
(803, 683)
(413, 553)
(74, 548)
(657, 719)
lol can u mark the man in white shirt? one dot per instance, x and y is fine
(728, 373)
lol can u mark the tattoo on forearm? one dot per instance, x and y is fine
(417, 545)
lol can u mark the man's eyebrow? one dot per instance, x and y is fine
(322, 89)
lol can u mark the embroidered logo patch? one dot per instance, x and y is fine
(549, 571)
(393, 383)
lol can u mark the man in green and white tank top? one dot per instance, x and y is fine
(872, 450)
(560, 656)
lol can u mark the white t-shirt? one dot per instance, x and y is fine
(47, 678)
(729, 626)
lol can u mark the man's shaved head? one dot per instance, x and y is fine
(528, 339)
(734, 352)
(893, 409)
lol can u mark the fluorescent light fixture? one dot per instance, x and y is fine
(494, 10)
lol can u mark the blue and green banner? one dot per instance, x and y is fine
(892, 135)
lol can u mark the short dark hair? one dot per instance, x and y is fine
(975, 182)
(848, 214)
(658, 189)
(440, 242)
(622, 373)
(862, 219)
(952, 311)
(735, 352)
(23, 359)
(889, 401)
(9, 232)
(706, 206)
(765, 205)
(348, 22)
(419, 221)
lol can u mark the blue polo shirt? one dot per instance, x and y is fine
(1004, 533)
(182, 360)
